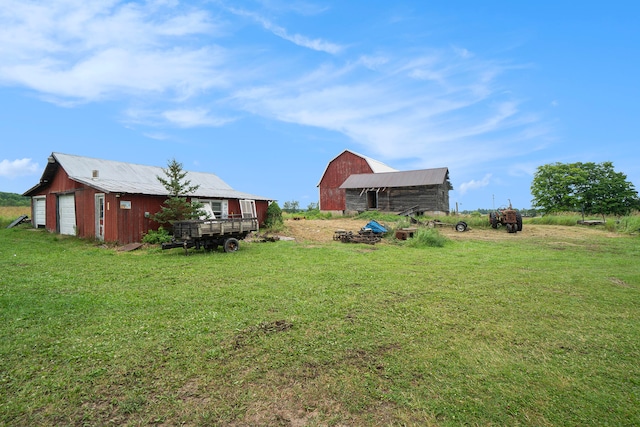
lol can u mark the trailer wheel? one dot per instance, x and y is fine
(231, 245)
(461, 226)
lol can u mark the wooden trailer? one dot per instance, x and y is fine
(209, 234)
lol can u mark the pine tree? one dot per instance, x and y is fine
(176, 207)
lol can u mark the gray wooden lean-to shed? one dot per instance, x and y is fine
(424, 191)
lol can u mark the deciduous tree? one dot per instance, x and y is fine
(593, 188)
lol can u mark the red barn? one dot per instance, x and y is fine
(347, 163)
(113, 201)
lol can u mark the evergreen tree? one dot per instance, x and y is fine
(176, 207)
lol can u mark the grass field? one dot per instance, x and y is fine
(533, 331)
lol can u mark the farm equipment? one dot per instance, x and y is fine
(209, 234)
(508, 217)
(371, 233)
(460, 226)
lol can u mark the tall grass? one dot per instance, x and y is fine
(426, 237)
(10, 213)
(626, 224)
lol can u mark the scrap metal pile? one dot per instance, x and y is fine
(371, 234)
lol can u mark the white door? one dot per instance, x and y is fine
(67, 214)
(100, 217)
(39, 212)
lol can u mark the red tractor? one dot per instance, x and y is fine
(508, 217)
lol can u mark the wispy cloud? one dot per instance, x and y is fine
(19, 167)
(474, 185)
(194, 118)
(170, 62)
(431, 107)
(181, 118)
(317, 44)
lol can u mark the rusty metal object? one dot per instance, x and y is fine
(362, 236)
(460, 226)
(508, 217)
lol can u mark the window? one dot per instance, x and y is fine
(214, 208)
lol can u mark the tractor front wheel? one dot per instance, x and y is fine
(519, 221)
(493, 220)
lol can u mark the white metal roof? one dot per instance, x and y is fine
(120, 177)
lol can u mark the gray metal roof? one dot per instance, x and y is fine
(397, 179)
(120, 177)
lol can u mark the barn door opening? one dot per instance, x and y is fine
(372, 199)
(100, 217)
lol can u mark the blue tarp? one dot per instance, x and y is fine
(375, 227)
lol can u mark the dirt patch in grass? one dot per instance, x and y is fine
(313, 230)
(265, 328)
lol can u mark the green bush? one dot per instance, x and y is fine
(274, 219)
(427, 237)
(155, 237)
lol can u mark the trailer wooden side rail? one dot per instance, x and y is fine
(209, 234)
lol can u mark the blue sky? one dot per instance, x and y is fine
(265, 93)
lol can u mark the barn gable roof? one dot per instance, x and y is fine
(375, 165)
(397, 179)
(120, 177)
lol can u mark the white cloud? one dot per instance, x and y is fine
(182, 118)
(474, 185)
(19, 167)
(163, 58)
(86, 51)
(194, 118)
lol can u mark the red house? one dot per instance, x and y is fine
(347, 163)
(113, 201)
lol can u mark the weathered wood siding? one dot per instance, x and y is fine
(430, 198)
(332, 198)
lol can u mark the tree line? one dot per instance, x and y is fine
(12, 199)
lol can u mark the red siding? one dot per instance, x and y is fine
(131, 224)
(332, 198)
(120, 225)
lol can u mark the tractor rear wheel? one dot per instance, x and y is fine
(519, 221)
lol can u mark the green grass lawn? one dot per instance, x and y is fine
(519, 332)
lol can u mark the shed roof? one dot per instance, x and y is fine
(120, 177)
(397, 179)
